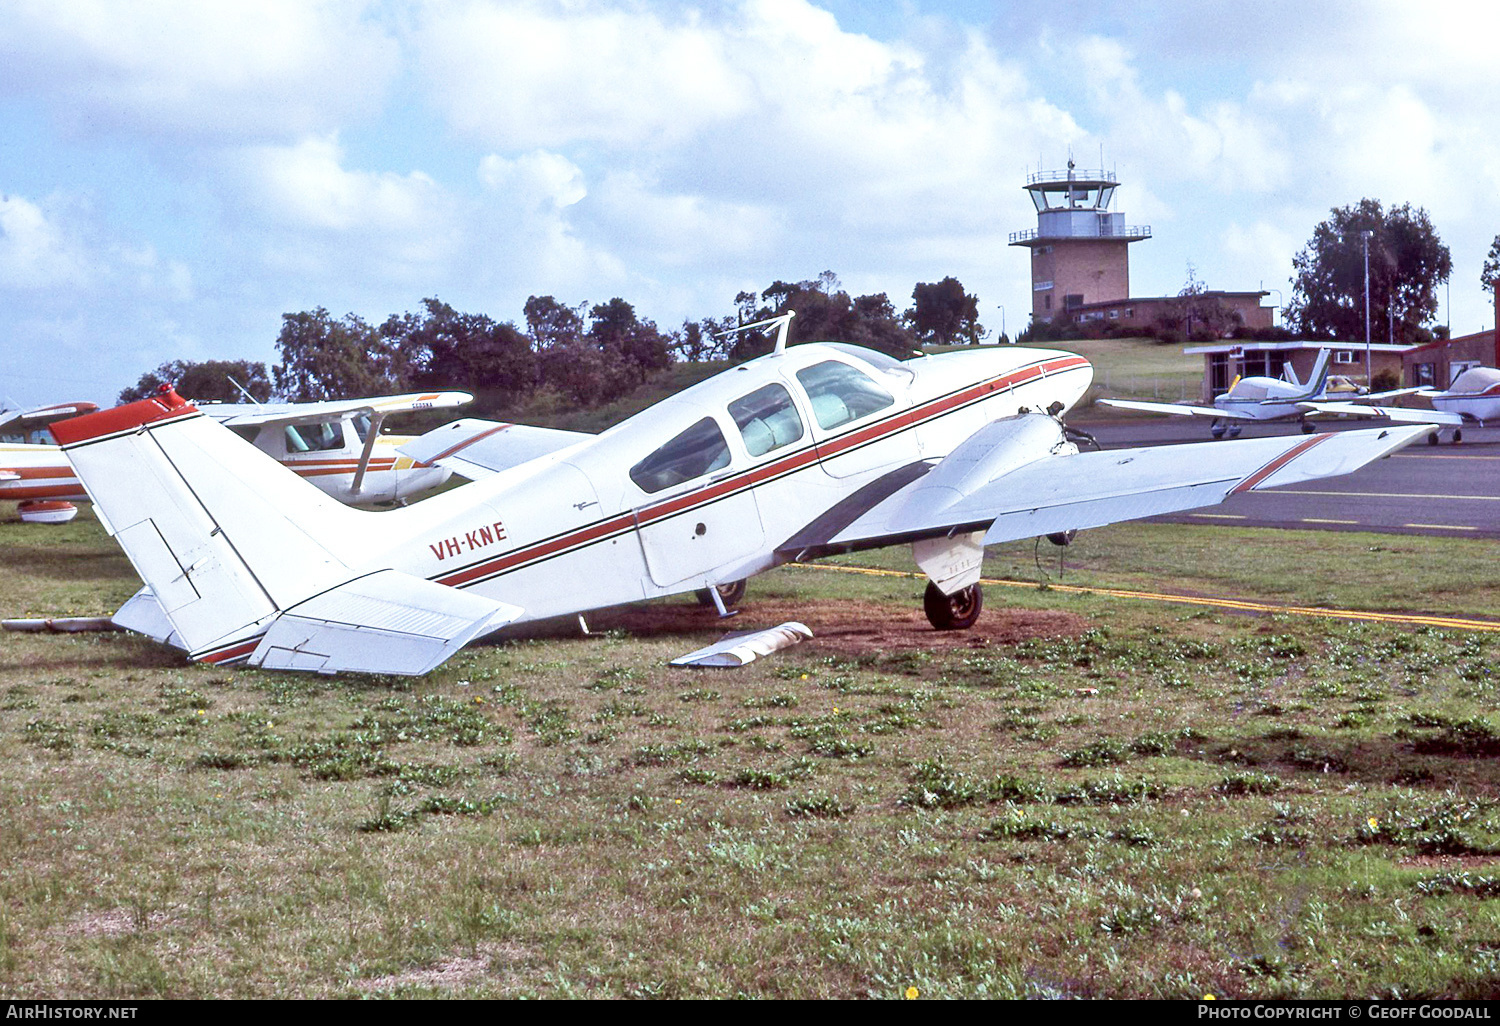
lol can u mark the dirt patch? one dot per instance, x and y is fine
(115, 922)
(845, 627)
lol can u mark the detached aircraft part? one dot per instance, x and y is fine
(62, 625)
(738, 649)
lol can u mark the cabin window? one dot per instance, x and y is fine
(839, 393)
(767, 419)
(247, 432)
(361, 424)
(699, 450)
(314, 437)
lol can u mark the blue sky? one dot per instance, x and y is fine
(175, 175)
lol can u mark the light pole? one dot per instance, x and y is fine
(1369, 379)
(1001, 307)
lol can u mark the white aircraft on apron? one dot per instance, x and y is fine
(337, 445)
(814, 449)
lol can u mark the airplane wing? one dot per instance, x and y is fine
(478, 448)
(1178, 409)
(1398, 414)
(1018, 478)
(43, 415)
(248, 414)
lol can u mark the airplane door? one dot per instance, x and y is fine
(688, 532)
(859, 422)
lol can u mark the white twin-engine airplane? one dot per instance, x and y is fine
(1262, 398)
(811, 450)
(337, 445)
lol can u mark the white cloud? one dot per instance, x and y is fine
(537, 180)
(34, 251)
(223, 70)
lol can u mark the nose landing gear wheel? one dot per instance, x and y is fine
(954, 612)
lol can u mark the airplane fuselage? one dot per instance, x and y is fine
(595, 526)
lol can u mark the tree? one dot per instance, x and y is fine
(444, 348)
(206, 381)
(1490, 273)
(942, 313)
(1407, 263)
(322, 358)
(824, 312)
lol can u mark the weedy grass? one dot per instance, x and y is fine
(1163, 802)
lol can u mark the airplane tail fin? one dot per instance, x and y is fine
(246, 561)
(1317, 380)
(222, 534)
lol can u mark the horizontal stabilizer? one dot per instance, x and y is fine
(478, 448)
(738, 649)
(386, 622)
(1398, 414)
(144, 615)
(1177, 409)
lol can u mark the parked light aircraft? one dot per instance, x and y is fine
(1263, 398)
(33, 472)
(337, 445)
(1474, 397)
(810, 450)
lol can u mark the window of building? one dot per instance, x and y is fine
(699, 450)
(1345, 356)
(839, 393)
(767, 419)
(1426, 374)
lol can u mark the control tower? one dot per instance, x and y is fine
(1079, 248)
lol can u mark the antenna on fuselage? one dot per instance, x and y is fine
(783, 323)
(243, 391)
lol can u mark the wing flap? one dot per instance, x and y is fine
(386, 622)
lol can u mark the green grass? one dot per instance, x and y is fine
(1147, 800)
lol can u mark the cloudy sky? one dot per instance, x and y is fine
(174, 174)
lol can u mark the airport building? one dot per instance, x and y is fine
(1080, 261)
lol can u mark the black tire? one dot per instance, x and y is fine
(954, 612)
(1061, 538)
(1432, 439)
(1458, 435)
(732, 594)
(1307, 428)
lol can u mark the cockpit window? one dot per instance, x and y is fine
(314, 437)
(699, 450)
(767, 419)
(839, 393)
(361, 424)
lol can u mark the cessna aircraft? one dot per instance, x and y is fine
(32, 471)
(1262, 398)
(810, 450)
(337, 445)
